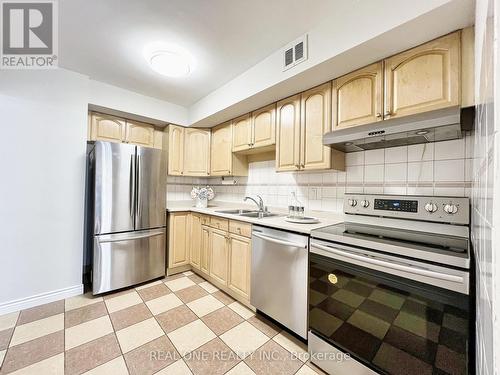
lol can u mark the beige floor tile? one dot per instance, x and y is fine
(148, 285)
(196, 279)
(87, 331)
(191, 293)
(208, 287)
(172, 319)
(50, 366)
(84, 314)
(188, 273)
(164, 303)
(191, 336)
(116, 366)
(177, 368)
(240, 369)
(138, 334)
(153, 292)
(306, 370)
(80, 301)
(129, 316)
(8, 320)
(2, 356)
(223, 297)
(243, 311)
(5, 336)
(244, 339)
(36, 329)
(91, 354)
(264, 325)
(293, 345)
(178, 284)
(123, 301)
(271, 358)
(41, 312)
(205, 305)
(222, 320)
(151, 357)
(214, 357)
(33, 351)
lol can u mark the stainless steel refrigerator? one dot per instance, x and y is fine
(126, 217)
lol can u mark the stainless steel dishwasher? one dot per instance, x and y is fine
(279, 276)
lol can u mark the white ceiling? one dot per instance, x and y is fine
(105, 39)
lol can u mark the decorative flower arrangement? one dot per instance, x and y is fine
(202, 195)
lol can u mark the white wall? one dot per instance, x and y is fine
(486, 187)
(43, 128)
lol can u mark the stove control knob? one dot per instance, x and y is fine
(352, 202)
(365, 203)
(431, 207)
(451, 209)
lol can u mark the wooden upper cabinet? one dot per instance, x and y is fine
(107, 128)
(221, 150)
(219, 242)
(140, 134)
(175, 150)
(158, 139)
(423, 78)
(178, 239)
(196, 152)
(264, 126)
(288, 134)
(242, 133)
(357, 97)
(315, 112)
(239, 265)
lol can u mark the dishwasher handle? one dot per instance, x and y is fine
(279, 241)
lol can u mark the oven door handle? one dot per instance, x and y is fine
(387, 264)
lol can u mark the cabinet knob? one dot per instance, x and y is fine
(303, 165)
(387, 114)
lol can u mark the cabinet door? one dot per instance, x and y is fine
(315, 107)
(175, 150)
(357, 97)
(178, 239)
(239, 265)
(139, 134)
(221, 150)
(264, 126)
(242, 133)
(424, 78)
(288, 134)
(195, 241)
(205, 250)
(218, 255)
(196, 152)
(107, 128)
(158, 139)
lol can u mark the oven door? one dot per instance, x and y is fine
(394, 315)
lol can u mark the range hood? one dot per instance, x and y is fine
(433, 126)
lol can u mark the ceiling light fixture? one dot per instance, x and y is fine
(168, 59)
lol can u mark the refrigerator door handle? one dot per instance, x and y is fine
(131, 187)
(138, 183)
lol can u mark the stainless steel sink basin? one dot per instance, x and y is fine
(258, 214)
(235, 212)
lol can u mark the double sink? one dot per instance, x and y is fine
(248, 213)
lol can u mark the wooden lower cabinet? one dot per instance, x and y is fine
(239, 265)
(219, 241)
(195, 240)
(178, 239)
(205, 250)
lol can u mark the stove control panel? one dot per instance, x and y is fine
(437, 209)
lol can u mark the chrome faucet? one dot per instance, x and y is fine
(260, 203)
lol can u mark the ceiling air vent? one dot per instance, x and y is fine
(295, 52)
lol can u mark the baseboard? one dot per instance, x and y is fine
(40, 299)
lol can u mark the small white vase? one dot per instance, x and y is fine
(201, 203)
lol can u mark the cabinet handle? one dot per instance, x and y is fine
(387, 114)
(297, 166)
(379, 115)
(303, 165)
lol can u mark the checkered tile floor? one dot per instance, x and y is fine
(178, 325)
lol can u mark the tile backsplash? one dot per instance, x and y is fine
(442, 168)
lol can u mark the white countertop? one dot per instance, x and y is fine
(326, 218)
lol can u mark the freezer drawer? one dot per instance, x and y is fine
(126, 259)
